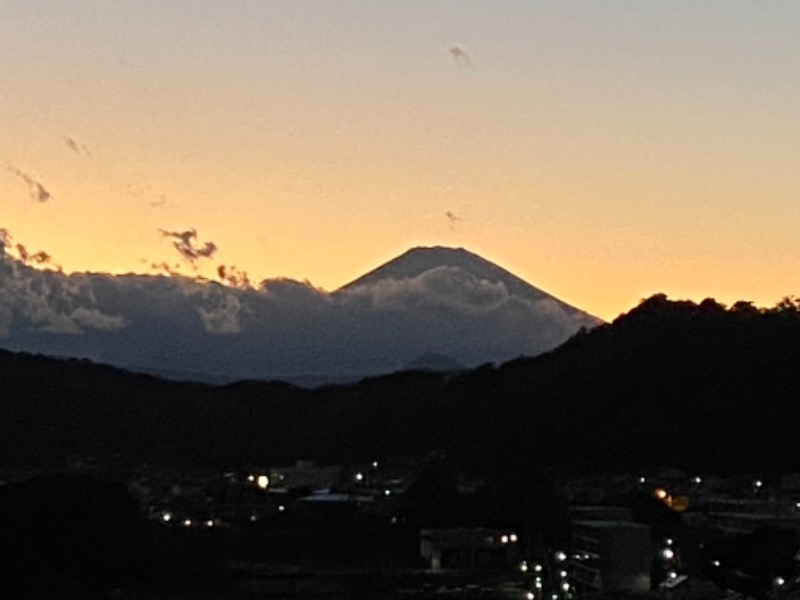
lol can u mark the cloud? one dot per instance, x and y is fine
(47, 301)
(5, 240)
(233, 277)
(79, 149)
(460, 56)
(222, 318)
(185, 243)
(36, 190)
(40, 257)
(137, 190)
(279, 328)
(91, 318)
(165, 268)
(453, 220)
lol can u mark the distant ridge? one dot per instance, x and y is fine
(701, 387)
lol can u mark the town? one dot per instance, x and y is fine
(388, 528)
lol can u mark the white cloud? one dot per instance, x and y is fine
(224, 317)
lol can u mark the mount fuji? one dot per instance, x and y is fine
(438, 302)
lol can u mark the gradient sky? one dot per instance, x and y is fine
(602, 150)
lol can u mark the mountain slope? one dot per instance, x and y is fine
(670, 383)
(417, 261)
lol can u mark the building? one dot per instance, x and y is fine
(468, 548)
(611, 556)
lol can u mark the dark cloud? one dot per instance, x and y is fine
(5, 240)
(185, 242)
(79, 149)
(40, 258)
(25, 256)
(165, 268)
(233, 277)
(36, 190)
(453, 220)
(460, 56)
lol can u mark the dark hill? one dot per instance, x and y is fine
(698, 386)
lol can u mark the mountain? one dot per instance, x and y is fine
(696, 386)
(417, 261)
(441, 301)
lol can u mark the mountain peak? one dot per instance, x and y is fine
(418, 260)
(421, 259)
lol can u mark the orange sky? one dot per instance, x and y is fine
(602, 151)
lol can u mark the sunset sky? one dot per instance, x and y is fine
(601, 150)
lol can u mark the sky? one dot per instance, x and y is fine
(601, 150)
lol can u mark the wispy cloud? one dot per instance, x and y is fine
(39, 258)
(36, 190)
(453, 220)
(163, 267)
(185, 242)
(460, 56)
(77, 148)
(21, 253)
(234, 277)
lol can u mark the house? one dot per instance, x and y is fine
(468, 548)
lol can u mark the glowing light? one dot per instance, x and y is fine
(513, 538)
(166, 517)
(660, 493)
(530, 596)
(668, 541)
(503, 539)
(523, 566)
(253, 518)
(281, 508)
(537, 567)
(187, 522)
(642, 480)
(779, 581)
(374, 464)
(716, 563)
(562, 574)
(263, 481)
(210, 523)
(758, 484)
(560, 556)
(387, 492)
(359, 477)
(668, 553)
(251, 478)
(565, 586)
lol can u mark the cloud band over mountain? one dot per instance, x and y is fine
(282, 328)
